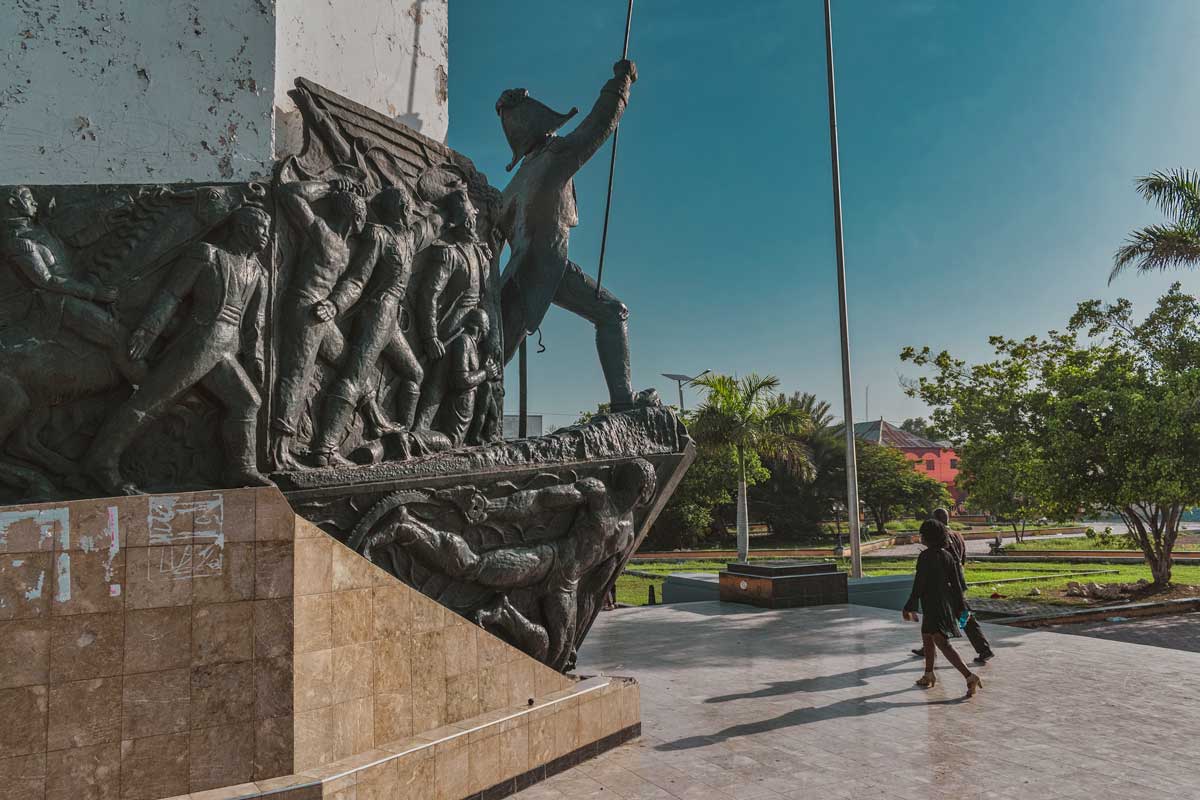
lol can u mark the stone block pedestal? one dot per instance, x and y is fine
(215, 645)
(784, 584)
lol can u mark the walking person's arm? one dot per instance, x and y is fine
(918, 588)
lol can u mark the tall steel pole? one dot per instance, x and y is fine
(612, 163)
(843, 319)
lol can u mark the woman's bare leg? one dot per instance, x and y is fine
(930, 651)
(951, 654)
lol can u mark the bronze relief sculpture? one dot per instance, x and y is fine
(341, 331)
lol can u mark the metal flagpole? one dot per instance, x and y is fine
(852, 509)
(612, 164)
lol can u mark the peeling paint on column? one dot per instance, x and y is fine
(62, 578)
(123, 91)
(49, 521)
(36, 591)
(196, 528)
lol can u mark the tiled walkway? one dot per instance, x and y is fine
(1178, 632)
(818, 704)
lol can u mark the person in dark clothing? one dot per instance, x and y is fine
(958, 548)
(938, 589)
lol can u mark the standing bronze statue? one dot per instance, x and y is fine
(308, 315)
(471, 378)
(455, 283)
(226, 285)
(537, 214)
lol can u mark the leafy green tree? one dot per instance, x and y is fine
(692, 515)
(1173, 245)
(1108, 410)
(1005, 476)
(587, 416)
(889, 486)
(746, 415)
(796, 504)
(920, 426)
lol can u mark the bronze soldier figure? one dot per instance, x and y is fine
(380, 266)
(58, 297)
(537, 214)
(454, 283)
(470, 375)
(226, 285)
(307, 312)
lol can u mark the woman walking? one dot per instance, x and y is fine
(938, 587)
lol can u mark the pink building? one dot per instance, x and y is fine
(935, 459)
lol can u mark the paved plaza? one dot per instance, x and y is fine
(819, 704)
(1177, 632)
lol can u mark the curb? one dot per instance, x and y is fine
(1151, 609)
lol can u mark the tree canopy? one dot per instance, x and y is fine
(1104, 416)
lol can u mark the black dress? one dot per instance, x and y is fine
(938, 587)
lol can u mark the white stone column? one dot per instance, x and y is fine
(138, 91)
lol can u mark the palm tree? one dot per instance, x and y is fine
(819, 412)
(1173, 245)
(745, 414)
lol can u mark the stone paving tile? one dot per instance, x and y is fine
(1176, 632)
(747, 704)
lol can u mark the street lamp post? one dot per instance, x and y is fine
(682, 380)
(847, 391)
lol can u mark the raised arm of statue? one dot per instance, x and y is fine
(297, 198)
(428, 229)
(363, 258)
(29, 260)
(579, 145)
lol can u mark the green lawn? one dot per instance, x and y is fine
(1048, 577)
(1120, 542)
(1115, 542)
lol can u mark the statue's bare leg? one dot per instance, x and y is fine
(514, 626)
(577, 294)
(14, 408)
(400, 355)
(229, 382)
(166, 383)
(559, 608)
(297, 359)
(27, 444)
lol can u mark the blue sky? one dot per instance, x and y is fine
(988, 157)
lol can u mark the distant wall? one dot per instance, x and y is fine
(125, 91)
(389, 55)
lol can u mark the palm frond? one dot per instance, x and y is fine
(1158, 248)
(1176, 192)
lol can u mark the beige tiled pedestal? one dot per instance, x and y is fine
(215, 645)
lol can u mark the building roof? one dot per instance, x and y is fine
(882, 432)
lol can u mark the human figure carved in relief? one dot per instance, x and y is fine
(536, 216)
(602, 528)
(379, 272)
(471, 377)
(308, 312)
(226, 287)
(455, 283)
(53, 295)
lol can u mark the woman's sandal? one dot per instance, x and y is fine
(974, 684)
(927, 680)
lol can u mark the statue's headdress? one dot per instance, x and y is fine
(527, 122)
